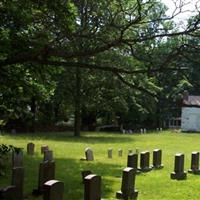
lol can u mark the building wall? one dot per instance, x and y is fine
(190, 119)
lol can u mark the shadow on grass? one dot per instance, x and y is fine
(69, 172)
(68, 137)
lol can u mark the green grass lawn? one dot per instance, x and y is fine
(154, 185)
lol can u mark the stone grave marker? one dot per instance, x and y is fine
(89, 154)
(120, 152)
(92, 187)
(194, 163)
(144, 161)
(46, 173)
(157, 159)
(85, 173)
(132, 161)
(53, 190)
(18, 181)
(137, 151)
(130, 151)
(48, 156)
(109, 153)
(17, 159)
(8, 193)
(44, 148)
(30, 148)
(128, 190)
(141, 131)
(179, 172)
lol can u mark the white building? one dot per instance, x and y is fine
(190, 117)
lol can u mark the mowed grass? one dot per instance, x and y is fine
(154, 185)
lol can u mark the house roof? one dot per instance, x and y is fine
(192, 101)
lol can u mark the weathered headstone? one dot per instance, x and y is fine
(144, 161)
(132, 161)
(109, 153)
(120, 152)
(92, 187)
(194, 163)
(8, 193)
(179, 172)
(17, 159)
(141, 131)
(157, 159)
(18, 181)
(44, 148)
(85, 173)
(48, 156)
(30, 148)
(128, 185)
(89, 154)
(53, 190)
(46, 173)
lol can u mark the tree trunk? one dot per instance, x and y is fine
(77, 102)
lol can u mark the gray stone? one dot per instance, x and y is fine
(128, 185)
(194, 163)
(132, 161)
(17, 159)
(30, 148)
(109, 153)
(157, 159)
(179, 172)
(8, 193)
(18, 181)
(44, 148)
(53, 190)
(120, 152)
(46, 173)
(144, 161)
(48, 156)
(92, 187)
(89, 154)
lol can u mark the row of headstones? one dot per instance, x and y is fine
(142, 130)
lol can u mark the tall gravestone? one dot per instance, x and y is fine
(48, 156)
(18, 181)
(128, 190)
(9, 193)
(44, 148)
(53, 190)
(144, 161)
(17, 159)
(157, 159)
(194, 163)
(92, 187)
(109, 153)
(132, 161)
(46, 173)
(30, 148)
(89, 154)
(179, 172)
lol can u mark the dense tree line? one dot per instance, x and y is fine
(96, 62)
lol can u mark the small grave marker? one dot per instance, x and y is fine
(48, 156)
(194, 163)
(17, 159)
(144, 161)
(92, 187)
(53, 190)
(109, 153)
(120, 152)
(157, 159)
(44, 148)
(132, 161)
(179, 172)
(89, 154)
(30, 148)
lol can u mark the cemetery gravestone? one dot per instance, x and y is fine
(18, 181)
(30, 148)
(120, 152)
(92, 187)
(157, 159)
(8, 193)
(109, 153)
(48, 156)
(144, 161)
(130, 151)
(132, 161)
(46, 173)
(89, 154)
(44, 148)
(17, 159)
(137, 151)
(179, 172)
(194, 163)
(53, 190)
(128, 185)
